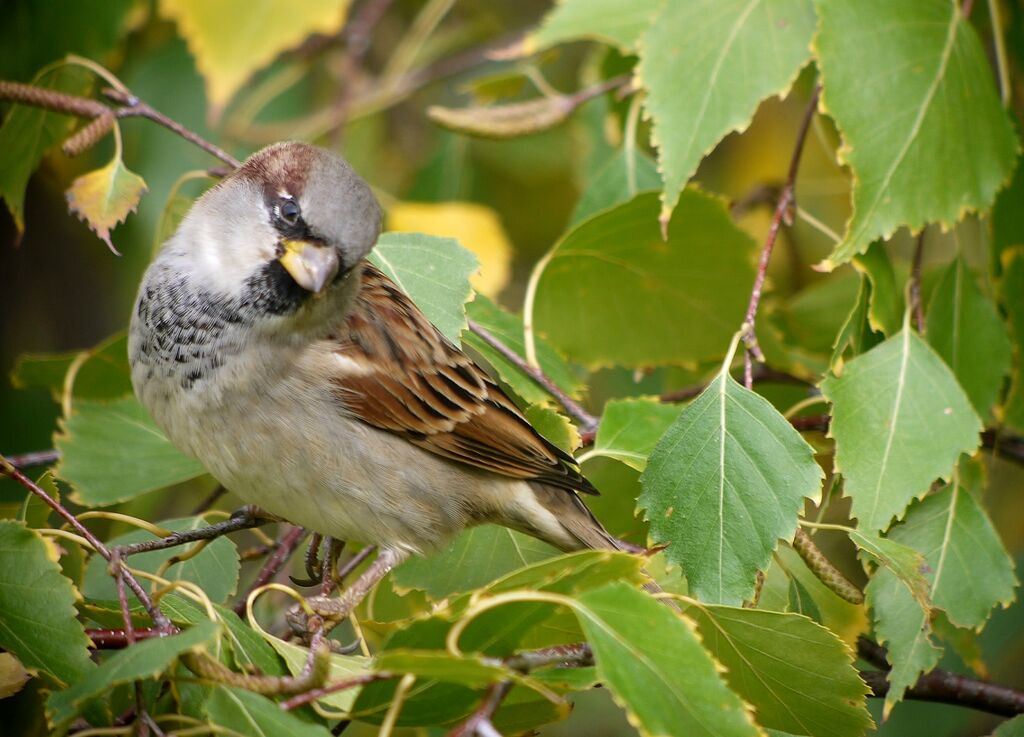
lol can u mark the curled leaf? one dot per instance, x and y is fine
(505, 121)
(104, 197)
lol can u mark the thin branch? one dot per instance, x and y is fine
(84, 107)
(783, 212)
(952, 688)
(158, 617)
(916, 308)
(287, 542)
(118, 639)
(319, 693)
(587, 421)
(245, 519)
(479, 721)
(211, 499)
(34, 458)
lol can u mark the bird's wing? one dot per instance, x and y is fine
(397, 372)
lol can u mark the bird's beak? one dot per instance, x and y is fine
(311, 264)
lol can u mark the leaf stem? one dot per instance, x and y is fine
(783, 212)
(1002, 63)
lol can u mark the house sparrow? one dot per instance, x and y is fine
(266, 347)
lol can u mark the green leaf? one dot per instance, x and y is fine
(724, 484)
(253, 715)
(142, 660)
(29, 132)
(509, 330)
(343, 667)
(630, 428)
(900, 421)
(34, 511)
(969, 570)
(907, 564)
(902, 625)
(855, 335)
(798, 676)
(433, 271)
(112, 451)
(476, 557)
(912, 93)
(613, 184)
(251, 652)
(731, 64)
(1011, 728)
(1012, 296)
(38, 620)
(214, 569)
(801, 601)
(964, 328)
(226, 61)
(613, 292)
(1007, 218)
(610, 21)
(885, 307)
(467, 670)
(101, 372)
(656, 668)
(103, 198)
(553, 425)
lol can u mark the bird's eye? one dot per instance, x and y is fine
(289, 211)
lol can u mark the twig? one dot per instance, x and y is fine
(952, 688)
(319, 693)
(245, 519)
(118, 639)
(760, 373)
(479, 721)
(136, 108)
(915, 284)
(158, 617)
(783, 212)
(587, 421)
(34, 458)
(576, 655)
(287, 542)
(83, 107)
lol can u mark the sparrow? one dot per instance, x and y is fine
(264, 345)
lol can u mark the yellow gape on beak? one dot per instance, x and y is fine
(312, 265)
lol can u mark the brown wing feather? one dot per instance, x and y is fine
(404, 376)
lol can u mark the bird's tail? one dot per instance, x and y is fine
(580, 529)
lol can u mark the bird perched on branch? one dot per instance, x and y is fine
(264, 345)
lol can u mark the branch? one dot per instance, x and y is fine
(783, 212)
(34, 458)
(479, 722)
(319, 693)
(102, 115)
(916, 307)
(587, 421)
(158, 617)
(286, 544)
(118, 639)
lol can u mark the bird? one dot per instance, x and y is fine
(265, 345)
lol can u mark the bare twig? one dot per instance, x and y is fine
(118, 639)
(158, 617)
(244, 519)
(946, 687)
(83, 107)
(587, 421)
(209, 500)
(783, 213)
(288, 540)
(34, 458)
(479, 721)
(916, 307)
(319, 693)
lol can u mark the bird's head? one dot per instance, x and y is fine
(289, 223)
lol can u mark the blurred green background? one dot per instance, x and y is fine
(62, 289)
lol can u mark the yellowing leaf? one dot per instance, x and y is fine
(474, 226)
(104, 197)
(231, 39)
